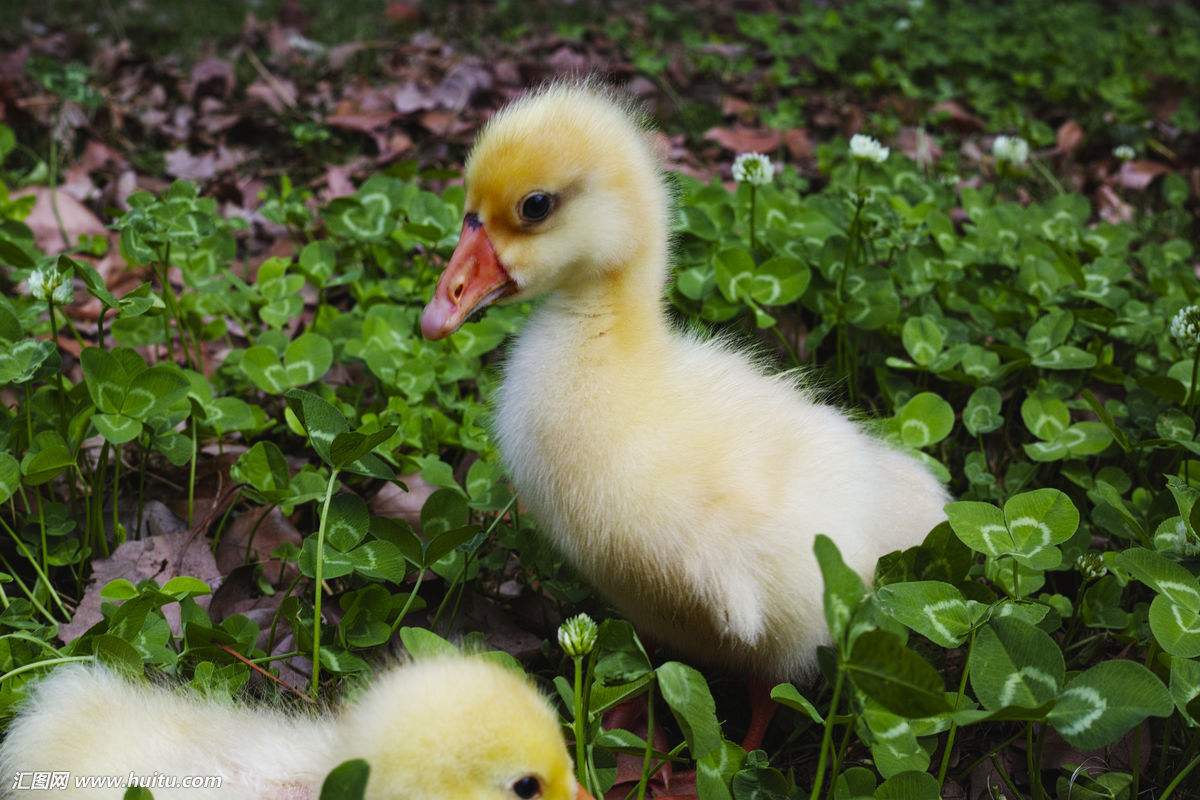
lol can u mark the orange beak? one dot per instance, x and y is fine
(472, 280)
(583, 794)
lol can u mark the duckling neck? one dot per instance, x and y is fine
(623, 309)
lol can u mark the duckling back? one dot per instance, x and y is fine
(87, 721)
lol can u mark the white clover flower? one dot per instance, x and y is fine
(866, 148)
(1091, 565)
(753, 168)
(1185, 326)
(916, 5)
(1124, 152)
(577, 636)
(1012, 149)
(903, 24)
(50, 283)
(37, 283)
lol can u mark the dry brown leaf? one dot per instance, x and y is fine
(1140, 174)
(155, 557)
(917, 144)
(1112, 208)
(76, 219)
(743, 139)
(1069, 137)
(798, 143)
(957, 116)
(392, 501)
(211, 76)
(270, 530)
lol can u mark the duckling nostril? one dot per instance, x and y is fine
(456, 291)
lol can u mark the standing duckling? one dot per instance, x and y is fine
(445, 728)
(677, 476)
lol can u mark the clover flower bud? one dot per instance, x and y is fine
(866, 148)
(1124, 152)
(1091, 565)
(49, 283)
(1185, 326)
(1012, 149)
(753, 168)
(577, 635)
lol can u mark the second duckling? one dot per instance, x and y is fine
(458, 727)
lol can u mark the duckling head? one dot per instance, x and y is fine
(563, 194)
(458, 727)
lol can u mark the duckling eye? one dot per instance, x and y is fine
(527, 787)
(536, 206)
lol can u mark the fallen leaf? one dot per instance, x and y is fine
(917, 144)
(957, 116)
(392, 501)
(798, 144)
(182, 164)
(1112, 208)
(269, 529)
(1069, 137)
(742, 139)
(211, 76)
(1140, 174)
(279, 95)
(76, 219)
(154, 558)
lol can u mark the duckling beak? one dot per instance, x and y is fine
(472, 280)
(583, 794)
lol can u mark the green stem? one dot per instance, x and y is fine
(645, 779)
(319, 580)
(191, 501)
(62, 388)
(1191, 395)
(1031, 765)
(840, 754)
(118, 538)
(50, 662)
(1180, 778)
(580, 726)
(26, 591)
(41, 573)
(753, 240)
(1004, 776)
(412, 596)
(827, 737)
(962, 688)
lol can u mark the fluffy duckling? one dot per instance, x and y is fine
(446, 728)
(677, 475)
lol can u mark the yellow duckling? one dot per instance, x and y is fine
(456, 727)
(678, 476)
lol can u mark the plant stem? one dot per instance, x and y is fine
(580, 725)
(319, 579)
(1004, 776)
(1178, 779)
(962, 688)
(644, 781)
(28, 593)
(1031, 765)
(191, 501)
(118, 538)
(411, 597)
(50, 662)
(827, 737)
(753, 240)
(62, 387)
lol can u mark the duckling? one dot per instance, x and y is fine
(674, 472)
(458, 727)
